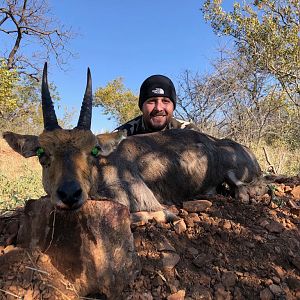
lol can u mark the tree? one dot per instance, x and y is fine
(23, 23)
(267, 32)
(117, 101)
(20, 103)
(8, 80)
(238, 101)
(200, 100)
(28, 22)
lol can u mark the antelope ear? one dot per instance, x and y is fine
(25, 145)
(108, 142)
(117, 137)
(121, 135)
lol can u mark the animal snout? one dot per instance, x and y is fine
(70, 193)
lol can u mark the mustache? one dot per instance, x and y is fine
(158, 114)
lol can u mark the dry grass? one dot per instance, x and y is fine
(20, 178)
(279, 158)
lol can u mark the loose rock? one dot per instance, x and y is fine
(275, 289)
(275, 227)
(197, 205)
(266, 294)
(293, 283)
(179, 226)
(296, 192)
(169, 260)
(177, 296)
(229, 279)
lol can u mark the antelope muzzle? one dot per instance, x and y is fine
(69, 195)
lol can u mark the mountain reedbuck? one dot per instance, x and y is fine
(143, 172)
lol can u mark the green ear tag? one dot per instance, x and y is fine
(95, 151)
(40, 151)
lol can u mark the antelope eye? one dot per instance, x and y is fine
(40, 152)
(95, 151)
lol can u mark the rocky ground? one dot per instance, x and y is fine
(220, 249)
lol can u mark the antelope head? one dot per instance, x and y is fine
(69, 158)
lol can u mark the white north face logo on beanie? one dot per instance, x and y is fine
(158, 91)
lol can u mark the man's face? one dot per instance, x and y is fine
(157, 112)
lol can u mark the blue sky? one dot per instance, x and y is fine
(132, 39)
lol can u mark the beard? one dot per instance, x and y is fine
(158, 121)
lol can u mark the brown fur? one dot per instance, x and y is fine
(142, 172)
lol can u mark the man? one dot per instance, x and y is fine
(157, 101)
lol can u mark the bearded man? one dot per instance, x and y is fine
(157, 102)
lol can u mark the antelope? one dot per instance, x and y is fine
(143, 172)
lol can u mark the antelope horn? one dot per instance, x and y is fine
(50, 120)
(85, 117)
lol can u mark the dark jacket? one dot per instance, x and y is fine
(137, 126)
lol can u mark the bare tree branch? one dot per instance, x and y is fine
(29, 23)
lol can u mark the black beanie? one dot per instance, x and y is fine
(157, 86)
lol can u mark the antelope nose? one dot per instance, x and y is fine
(70, 193)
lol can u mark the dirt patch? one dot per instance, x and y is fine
(232, 250)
